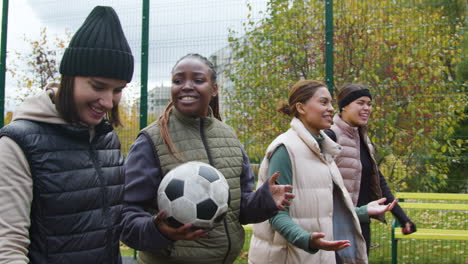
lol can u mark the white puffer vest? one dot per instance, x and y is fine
(313, 208)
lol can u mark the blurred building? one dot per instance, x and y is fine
(222, 59)
(158, 98)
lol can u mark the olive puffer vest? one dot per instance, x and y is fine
(349, 160)
(78, 189)
(211, 141)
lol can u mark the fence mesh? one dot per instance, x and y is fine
(411, 53)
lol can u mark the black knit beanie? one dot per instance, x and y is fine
(99, 48)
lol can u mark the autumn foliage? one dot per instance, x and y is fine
(407, 52)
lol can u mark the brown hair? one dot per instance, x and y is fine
(164, 118)
(300, 92)
(346, 89)
(65, 103)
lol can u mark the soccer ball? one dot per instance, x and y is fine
(195, 193)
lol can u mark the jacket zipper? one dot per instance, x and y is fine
(210, 160)
(105, 209)
(202, 134)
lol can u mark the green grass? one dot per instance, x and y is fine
(125, 250)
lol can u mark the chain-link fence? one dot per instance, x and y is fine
(411, 53)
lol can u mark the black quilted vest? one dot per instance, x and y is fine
(77, 191)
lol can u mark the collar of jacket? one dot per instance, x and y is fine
(329, 146)
(194, 121)
(82, 132)
(347, 129)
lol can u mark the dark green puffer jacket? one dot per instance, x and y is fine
(211, 141)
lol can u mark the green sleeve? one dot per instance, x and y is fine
(362, 214)
(282, 222)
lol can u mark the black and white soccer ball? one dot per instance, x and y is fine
(194, 193)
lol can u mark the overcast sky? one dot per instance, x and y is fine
(177, 27)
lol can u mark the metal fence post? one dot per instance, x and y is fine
(144, 64)
(329, 45)
(3, 48)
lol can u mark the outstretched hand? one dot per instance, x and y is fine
(409, 228)
(281, 193)
(377, 207)
(317, 242)
(184, 232)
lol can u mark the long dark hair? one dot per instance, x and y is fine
(164, 118)
(65, 103)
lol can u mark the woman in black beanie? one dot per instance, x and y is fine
(61, 180)
(356, 161)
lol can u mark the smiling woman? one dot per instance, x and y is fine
(193, 86)
(62, 181)
(316, 112)
(191, 130)
(356, 161)
(322, 218)
(96, 96)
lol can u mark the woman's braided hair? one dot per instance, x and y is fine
(164, 118)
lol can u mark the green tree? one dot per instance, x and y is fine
(271, 56)
(8, 117)
(35, 69)
(406, 51)
(129, 114)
